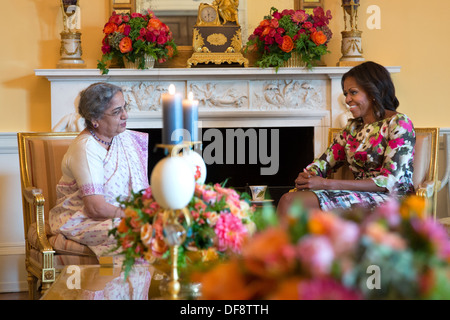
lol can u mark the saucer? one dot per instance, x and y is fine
(261, 201)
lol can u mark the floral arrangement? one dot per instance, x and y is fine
(221, 221)
(132, 36)
(394, 252)
(282, 34)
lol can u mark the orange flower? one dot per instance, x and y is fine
(321, 222)
(224, 282)
(122, 227)
(154, 23)
(318, 37)
(147, 234)
(109, 28)
(413, 206)
(169, 51)
(126, 45)
(286, 290)
(287, 45)
(269, 254)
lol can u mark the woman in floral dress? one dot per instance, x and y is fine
(377, 144)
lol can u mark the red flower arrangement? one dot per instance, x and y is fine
(133, 36)
(281, 34)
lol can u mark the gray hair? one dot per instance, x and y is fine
(94, 100)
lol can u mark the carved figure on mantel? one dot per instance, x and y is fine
(209, 97)
(146, 97)
(71, 122)
(285, 94)
(228, 10)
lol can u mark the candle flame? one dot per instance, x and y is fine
(172, 89)
(191, 96)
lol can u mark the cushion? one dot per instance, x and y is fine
(421, 159)
(60, 244)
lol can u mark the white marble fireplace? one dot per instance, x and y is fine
(229, 97)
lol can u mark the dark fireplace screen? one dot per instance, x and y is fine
(249, 156)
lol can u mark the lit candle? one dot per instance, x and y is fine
(172, 114)
(190, 116)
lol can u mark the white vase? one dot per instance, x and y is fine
(172, 182)
(149, 62)
(197, 164)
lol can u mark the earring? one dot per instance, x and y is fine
(95, 125)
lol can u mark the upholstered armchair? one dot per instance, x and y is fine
(40, 156)
(425, 177)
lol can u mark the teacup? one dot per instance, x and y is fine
(258, 192)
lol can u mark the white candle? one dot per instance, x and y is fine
(190, 116)
(172, 114)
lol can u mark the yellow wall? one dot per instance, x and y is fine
(414, 35)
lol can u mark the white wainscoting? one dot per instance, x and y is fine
(13, 276)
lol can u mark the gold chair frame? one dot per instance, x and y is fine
(429, 187)
(33, 211)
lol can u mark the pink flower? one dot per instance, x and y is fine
(407, 125)
(353, 143)
(434, 234)
(376, 141)
(230, 232)
(326, 289)
(316, 255)
(299, 16)
(396, 143)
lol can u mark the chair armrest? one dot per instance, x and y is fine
(36, 200)
(426, 189)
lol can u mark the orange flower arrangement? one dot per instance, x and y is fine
(281, 34)
(320, 255)
(132, 36)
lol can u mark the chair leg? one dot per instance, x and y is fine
(44, 287)
(32, 286)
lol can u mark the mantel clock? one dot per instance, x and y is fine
(217, 35)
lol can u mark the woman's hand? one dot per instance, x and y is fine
(309, 181)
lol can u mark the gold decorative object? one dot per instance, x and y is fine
(294, 61)
(351, 47)
(173, 232)
(71, 38)
(217, 35)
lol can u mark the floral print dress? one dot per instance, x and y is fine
(382, 151)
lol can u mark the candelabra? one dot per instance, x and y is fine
(351, 47)
(173, 186)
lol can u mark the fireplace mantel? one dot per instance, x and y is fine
(229, 97)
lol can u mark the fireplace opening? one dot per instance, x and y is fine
(243, 156)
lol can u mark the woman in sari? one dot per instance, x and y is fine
(104, 162)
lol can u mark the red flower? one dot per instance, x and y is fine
(109, 28)
(338, 152)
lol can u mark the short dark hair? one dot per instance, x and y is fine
(94, 100)
(376, 81)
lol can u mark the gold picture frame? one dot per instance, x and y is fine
(307, 5)
(123, 6)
